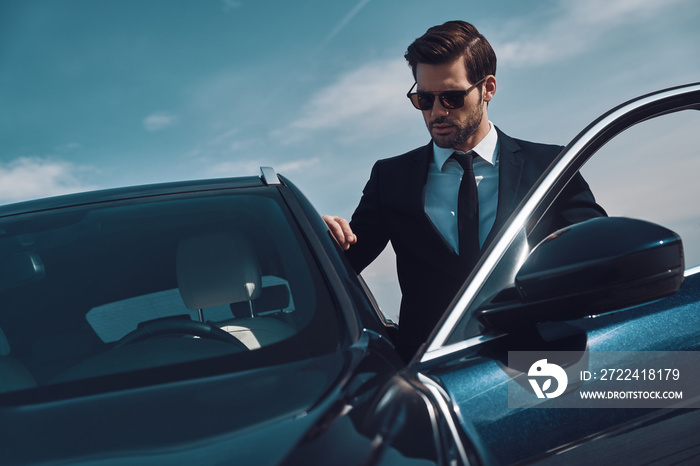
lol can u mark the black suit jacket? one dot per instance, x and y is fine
(429, 271)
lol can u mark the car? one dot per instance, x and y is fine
(217, 322)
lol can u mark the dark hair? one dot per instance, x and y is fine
(447, 42)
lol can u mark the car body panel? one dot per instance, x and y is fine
(477, 383)
(224, 414)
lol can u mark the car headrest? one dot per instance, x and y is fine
(272, 300)
(217, 269)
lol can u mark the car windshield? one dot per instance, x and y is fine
(166, 287)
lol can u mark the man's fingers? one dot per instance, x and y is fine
(335, 228)
(350, 237)
(341, 231)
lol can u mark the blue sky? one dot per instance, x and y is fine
(97, 94)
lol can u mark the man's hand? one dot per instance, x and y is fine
(341, 231)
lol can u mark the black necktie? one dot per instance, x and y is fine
(468, 208)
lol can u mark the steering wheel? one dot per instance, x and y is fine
(178, 326)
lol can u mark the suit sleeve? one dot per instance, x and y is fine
(369, 224)
(575, 204)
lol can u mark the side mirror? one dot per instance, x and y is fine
(597, 266)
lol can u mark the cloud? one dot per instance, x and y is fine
(231, 5)
(298, 165)
(344, 22)
(574, 28)
(614, 12)
(252, 167)
(68, 147)
(31, 178)
(366, 103)
(159, 121)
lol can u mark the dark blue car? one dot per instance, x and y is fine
(217, 322)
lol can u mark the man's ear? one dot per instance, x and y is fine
(489, 88)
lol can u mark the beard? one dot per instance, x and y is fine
(464, 129)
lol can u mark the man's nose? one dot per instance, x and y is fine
(438, 109)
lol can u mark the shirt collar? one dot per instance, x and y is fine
(486, 149)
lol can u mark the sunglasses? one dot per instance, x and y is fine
(424, 100)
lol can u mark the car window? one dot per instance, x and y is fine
(650, 172)
(95, 291)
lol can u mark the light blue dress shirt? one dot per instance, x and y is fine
(442, 188)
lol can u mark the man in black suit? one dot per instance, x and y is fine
(418, 200)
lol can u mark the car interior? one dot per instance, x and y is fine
(108, 290)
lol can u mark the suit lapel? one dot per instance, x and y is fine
(416, 203)
(510, 172)
(418, 175)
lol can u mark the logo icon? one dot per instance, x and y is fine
(543, 370)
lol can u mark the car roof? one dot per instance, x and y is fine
(130, 192)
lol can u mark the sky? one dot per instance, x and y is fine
(97, 94)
